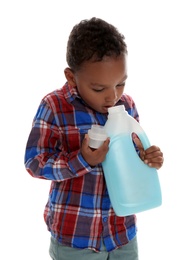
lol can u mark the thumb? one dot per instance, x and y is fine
(86, 140)
(139, 146)
(138, 143)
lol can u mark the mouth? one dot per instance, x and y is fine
(110, 105)
(106, 107)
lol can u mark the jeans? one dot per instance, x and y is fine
(58, 251)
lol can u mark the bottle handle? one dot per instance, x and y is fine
(142, 136)
(144, 140)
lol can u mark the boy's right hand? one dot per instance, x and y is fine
(94, 156)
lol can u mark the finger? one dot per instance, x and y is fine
(138, 143)
(155, 162)
(104, 146)
(152, 149)
(155, 154)
(155, 165)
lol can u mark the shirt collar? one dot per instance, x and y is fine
(70, 92)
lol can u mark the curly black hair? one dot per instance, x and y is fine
(92, 40)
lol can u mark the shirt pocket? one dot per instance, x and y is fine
(73, 137)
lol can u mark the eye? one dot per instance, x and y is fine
(121, 85)
(98, 90)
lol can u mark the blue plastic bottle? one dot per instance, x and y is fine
(132, 185)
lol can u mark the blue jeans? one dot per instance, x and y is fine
(61, 252)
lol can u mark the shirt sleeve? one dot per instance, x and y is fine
(130, 106)
(45, 156)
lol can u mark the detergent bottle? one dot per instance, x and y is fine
(132, 185)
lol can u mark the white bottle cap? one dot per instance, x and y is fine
(97, 135)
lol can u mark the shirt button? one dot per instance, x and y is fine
(105, 219)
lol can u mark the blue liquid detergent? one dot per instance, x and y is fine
(132, 185)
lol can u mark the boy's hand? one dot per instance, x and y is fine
(152, 156)
(94, 156)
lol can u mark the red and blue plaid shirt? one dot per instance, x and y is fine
(78, 212)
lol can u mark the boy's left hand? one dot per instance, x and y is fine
(152, 156)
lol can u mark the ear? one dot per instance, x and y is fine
(70, 77)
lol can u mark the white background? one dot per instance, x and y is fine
(33, 37)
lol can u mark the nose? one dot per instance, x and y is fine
(111, 95)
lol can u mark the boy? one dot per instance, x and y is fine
(78, 213)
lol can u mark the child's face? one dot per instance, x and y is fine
(101, 84)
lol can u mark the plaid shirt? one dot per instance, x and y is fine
(78, 212)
